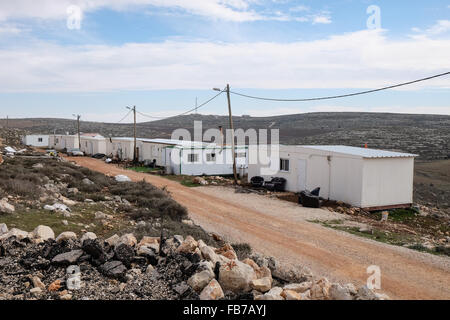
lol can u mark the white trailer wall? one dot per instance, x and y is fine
(63, 142)
(91, 145)
(220, 164)
(36, 140)
(388, 181)
(120, 147)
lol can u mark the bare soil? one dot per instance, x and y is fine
(280, 229)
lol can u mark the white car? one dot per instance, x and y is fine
(75, 152)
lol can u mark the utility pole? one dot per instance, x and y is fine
(232, 135)
(6, 131)
(135, 143)
(78, 130)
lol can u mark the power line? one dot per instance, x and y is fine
(124, 117)
(342, 96)
(183, 113)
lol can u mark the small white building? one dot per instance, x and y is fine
(63, 142)
(36, 140)
(120, 147)
(93, 143)
(361, 177)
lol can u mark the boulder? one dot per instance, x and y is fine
(273, 294)
(43, 232)
(188, 246)
(291, 295)
(236, 276)
(113, 240)
(213, 291)
(114, 269)
(67, 202)
(209, 254)
(262, 284)
(6, 207)
(338, 292)
(261, 272)
(200, 181)
(128, 239)
(88, 235)
(199, 280)
(101, 215)
(124, 253)
(37, 283)
(122, 178)
(3, 228)
(299, 287)
(55, 285)
(364, 293)
(146, 241)
(68, 258)
(67, 235)
(227, 251)
(320, 289)
(14, 232)
(88, 182)
(72, 190)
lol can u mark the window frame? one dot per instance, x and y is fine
(283, 168)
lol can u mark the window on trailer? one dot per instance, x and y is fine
(284, 165)
(210, 157)
(192, 157)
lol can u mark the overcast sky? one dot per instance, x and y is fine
(94, 57)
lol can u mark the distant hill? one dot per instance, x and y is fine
(427, 135)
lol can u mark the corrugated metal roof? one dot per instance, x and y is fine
(363, 152)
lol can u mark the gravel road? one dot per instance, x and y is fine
(279, 229)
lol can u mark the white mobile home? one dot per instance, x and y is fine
(36, 140)
(92, 144)
(361, 177)
(63, 142)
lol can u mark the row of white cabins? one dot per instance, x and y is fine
(361, 177)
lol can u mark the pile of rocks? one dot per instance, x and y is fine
(36, 265)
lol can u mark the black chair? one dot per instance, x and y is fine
(257, 181)
(316, 192)
(309, 200)
(276, 184)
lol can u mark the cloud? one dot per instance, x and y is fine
(439, 28)
(364, 59)
(231, 10)
(321, 19)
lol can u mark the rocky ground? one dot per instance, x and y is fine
(125, 240)
(35, 265)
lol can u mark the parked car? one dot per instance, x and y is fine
(75, 152)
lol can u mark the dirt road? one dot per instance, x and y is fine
(284, 234)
